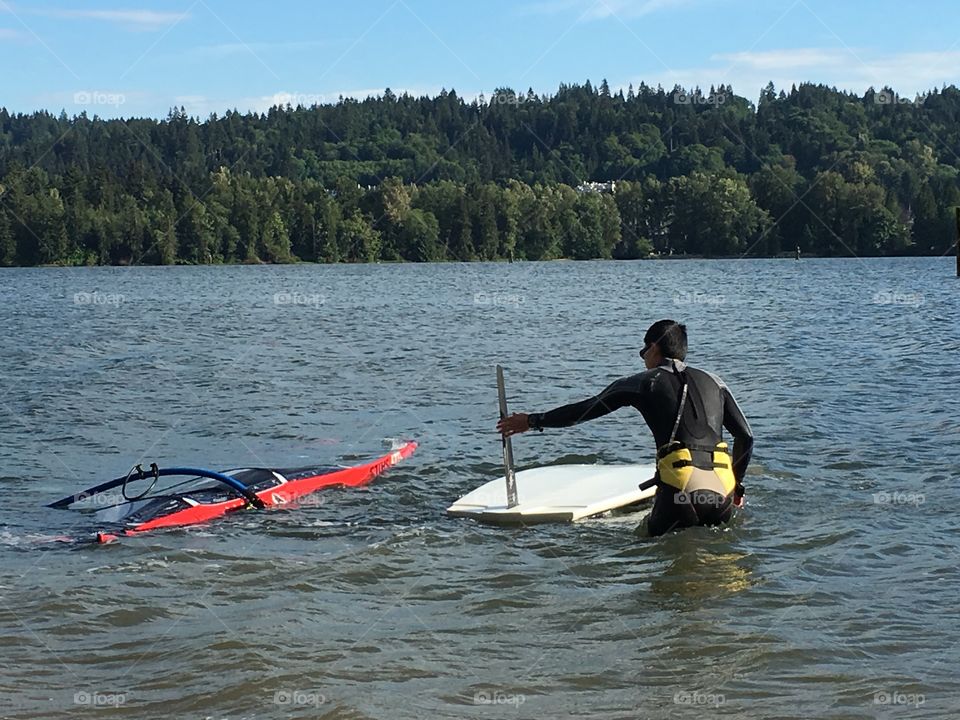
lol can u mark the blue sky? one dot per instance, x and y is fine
(141, 58)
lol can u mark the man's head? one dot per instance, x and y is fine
(664, 339)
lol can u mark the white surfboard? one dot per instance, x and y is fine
(557, 493)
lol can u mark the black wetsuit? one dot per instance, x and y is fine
(708, 409)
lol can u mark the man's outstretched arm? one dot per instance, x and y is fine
(614, 397)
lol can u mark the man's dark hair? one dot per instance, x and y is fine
(670, 336)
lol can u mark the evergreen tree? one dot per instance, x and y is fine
(419, 235)
(360, 241)
(830, 171)
(8, 248)
(276, 240)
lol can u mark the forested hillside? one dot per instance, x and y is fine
(583, 173)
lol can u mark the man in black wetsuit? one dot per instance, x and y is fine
(698, 480)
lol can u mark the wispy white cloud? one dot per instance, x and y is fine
(786, 59)
(225, 50)
(632, 8)
(601, 9)
(194, 104)
(911, 72)
(908, 73)
(8, 34)
(131, 19)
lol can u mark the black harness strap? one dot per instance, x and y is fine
(683, 401)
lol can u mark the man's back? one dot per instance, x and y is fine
(686, 409)
(656, 394)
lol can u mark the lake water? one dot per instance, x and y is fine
(834, 594)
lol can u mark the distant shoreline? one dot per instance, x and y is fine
(585, 173)
(790, 257)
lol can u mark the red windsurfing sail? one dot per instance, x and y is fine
(216, 494)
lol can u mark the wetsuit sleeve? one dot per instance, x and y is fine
(614, 396)
(736, 424)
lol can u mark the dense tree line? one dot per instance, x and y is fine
(430, 179)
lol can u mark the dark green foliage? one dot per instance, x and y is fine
(8, 248)
(399, 178)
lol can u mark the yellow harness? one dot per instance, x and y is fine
(675, 465)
